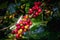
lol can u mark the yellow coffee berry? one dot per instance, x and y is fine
(24, 19)
(20, 31)
(26, 27)
(27, 16)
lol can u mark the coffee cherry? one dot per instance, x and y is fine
(35, 3)
(20, 31)
(30, 23)
(25, 30)
(20, 35)
(33, 8)
(22, 27)
(17, 36)
(39, 3)
(16, 31)
(20, 22)
(36, 13)
(30, 11)
(25, 22)
(27, 26)
(17, 25)
(13, 32)
(28, 20)
(26, 16)
(36, 7)
(34, 16)
(39, 10)
(24, 19)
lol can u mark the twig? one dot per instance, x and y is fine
(4, 28)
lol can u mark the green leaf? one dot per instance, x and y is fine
(27, 7)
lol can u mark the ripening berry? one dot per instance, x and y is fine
(27, 26)
(24, 19)
(20, 31)
(26, 16)
(20, 22)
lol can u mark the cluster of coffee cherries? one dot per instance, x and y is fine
(35, 10)
(22, 26)
(25, 22)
